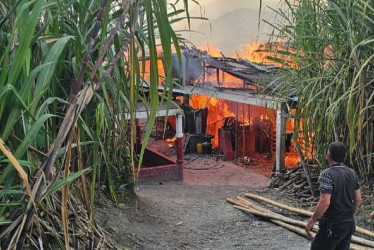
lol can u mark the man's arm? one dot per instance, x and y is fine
(322, 206)
(358, 199)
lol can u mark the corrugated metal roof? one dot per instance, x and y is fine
(267, 78)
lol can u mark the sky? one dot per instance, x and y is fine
(214, 8)
(231, 25)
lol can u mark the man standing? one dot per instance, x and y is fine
(340, 198)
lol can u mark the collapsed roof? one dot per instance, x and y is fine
(264, 79)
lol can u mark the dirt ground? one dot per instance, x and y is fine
(193, 213)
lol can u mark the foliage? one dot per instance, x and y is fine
(332, 45)
(69, 72)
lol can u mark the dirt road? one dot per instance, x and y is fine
(193, 214)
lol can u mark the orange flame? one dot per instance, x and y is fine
(219, 110)
(254, 52)
(212, 51)
(160, 70)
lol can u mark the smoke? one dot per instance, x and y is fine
(231, 25)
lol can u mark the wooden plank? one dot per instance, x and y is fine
(142, 111)
(237, 96)
(160, 113)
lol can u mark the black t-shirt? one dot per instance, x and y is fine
(341, 182)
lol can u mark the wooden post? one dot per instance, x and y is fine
(280, 137)
(204, 69)
(217, 71)
(138, 132)
(179, 143)
(186, 99)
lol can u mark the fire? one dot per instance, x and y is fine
(244, 113)
(231, 81)
(291, 160)
(224, 79)
(160, 66)
(256, 53)
(160, 70)
(171, 139)
(212, 51)
(218, 111)
(264, 117)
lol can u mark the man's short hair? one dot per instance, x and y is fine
(338, 151)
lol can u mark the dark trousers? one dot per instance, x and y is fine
(333, 236)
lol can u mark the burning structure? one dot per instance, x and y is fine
(228, 104)
(244, 113)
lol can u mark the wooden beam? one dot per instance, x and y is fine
(240, 95)
(142, 111)
(217, 75)
(280, 137)
(160, 113)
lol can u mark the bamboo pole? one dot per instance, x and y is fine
(301, 211)
(260, 211)
(302, 232)
(272, 215)
(280, 205)
(248, 207)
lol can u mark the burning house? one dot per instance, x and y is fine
(229, 105)
(232, 104)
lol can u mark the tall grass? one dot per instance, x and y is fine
(333, 47)
(65, 82)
